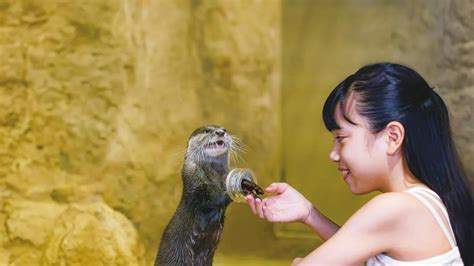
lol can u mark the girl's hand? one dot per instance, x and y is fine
(288, 205)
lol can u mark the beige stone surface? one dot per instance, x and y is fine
(97, 100)
(93, 234)
(456, 74)
(50, 233)
(26, 217)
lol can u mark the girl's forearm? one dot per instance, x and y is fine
(323, 226)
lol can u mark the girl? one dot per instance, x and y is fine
(391, 134)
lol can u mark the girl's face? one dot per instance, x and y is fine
(360, 155)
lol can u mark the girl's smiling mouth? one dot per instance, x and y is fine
(345, 173)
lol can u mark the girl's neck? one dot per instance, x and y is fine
(405, 183)
(401, 179)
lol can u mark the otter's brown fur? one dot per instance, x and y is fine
(193, 233)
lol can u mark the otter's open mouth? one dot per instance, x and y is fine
(216, 148)
(215, 144)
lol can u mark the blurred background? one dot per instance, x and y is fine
(98, 98)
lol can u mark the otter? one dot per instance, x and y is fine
(192, 235)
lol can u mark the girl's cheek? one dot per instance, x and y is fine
(342, 151)
(341, 146)
(345, 150)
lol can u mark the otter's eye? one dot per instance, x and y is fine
(207, 131)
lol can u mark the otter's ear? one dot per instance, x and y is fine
(395, 133)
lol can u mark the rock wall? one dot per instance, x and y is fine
(456, 74)
(97, 100)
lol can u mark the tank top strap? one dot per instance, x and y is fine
(437, 200)
(434, 198)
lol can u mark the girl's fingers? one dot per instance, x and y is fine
(259, 207)
(277, 188)
(270, 188)
(251, 202)
(266, 213)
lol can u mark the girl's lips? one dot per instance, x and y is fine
(345, 174)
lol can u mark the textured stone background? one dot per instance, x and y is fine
(455, 74)
(98, 97)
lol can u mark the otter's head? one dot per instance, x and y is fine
(209, 144)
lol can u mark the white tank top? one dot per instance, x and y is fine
(452, 257)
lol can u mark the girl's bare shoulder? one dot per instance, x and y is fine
(381, 220)
(392, 202)
(387, 211)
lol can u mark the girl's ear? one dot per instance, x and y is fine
(395, 135)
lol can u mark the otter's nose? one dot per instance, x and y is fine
(220, 132)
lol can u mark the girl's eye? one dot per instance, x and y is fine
(338, 138)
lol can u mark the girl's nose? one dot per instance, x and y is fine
(334, 154)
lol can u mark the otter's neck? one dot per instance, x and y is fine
(219, 165)
(220, 168)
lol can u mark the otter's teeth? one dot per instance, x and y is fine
(212, 145)
(216, 144)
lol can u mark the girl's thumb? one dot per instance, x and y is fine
(277, 188)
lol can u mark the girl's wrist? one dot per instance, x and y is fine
(310, 216)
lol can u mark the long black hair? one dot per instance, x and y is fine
(386, 92)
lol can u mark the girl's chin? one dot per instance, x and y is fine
(354, 188)
(357, 191)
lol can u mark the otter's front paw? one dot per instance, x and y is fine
(249, 187)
